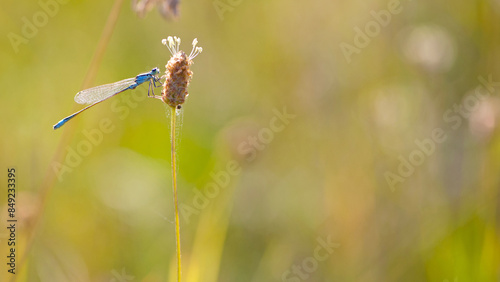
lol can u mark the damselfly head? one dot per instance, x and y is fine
(155, 71)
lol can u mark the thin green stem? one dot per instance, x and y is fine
(173, 116)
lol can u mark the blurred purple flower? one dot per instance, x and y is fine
(169, 9)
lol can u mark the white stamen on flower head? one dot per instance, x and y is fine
(178, 43)
(195, 51)
(173, 44)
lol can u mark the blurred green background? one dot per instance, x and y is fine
(386, 169)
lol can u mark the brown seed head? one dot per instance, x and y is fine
(177, 80)
(177, 74)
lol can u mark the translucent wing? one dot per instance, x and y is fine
(101, 92)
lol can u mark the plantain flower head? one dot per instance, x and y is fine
(177, 74)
